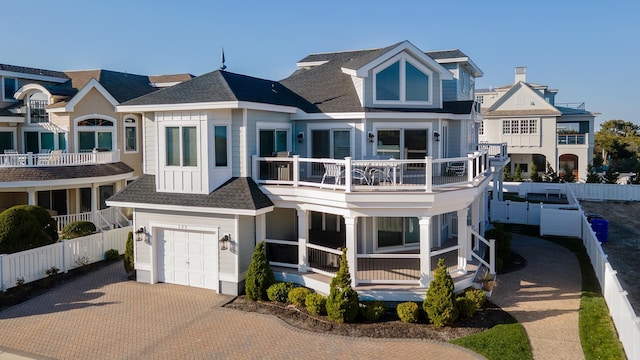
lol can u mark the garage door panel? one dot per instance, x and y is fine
(188, 258)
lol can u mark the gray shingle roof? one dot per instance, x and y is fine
(122, 86)
(239, 193)
(32, 71)
(14, 174)
(446, 54)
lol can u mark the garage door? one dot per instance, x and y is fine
(188, 258)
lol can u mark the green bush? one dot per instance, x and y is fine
(111, 254)
(78, 229)
(372, 310)
(439, 304)
(25, 227)
(259, 276)
(128, 254)
(279, 291)
(316, 304)
(408, 312)
(465, 306)
(503, 243)
(478, 296)
(342, 303)
(297, 296)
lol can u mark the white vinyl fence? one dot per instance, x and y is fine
(65, 255)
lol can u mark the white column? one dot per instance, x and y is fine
(31, 192)
(95, 195)
(350, 232)
(303, 234)
(463, 238)
(261, 228)
(483, 213)
(475, 221)
(425, 250)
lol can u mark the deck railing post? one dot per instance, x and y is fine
(428, 173)
(255, 168)
(296, 170)
(470, 170)
(492, 256)
(347, 174)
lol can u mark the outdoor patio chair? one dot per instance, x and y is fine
(457, 168)
(332, 170)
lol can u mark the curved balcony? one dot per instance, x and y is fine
(57, 158)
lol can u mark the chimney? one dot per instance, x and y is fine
(521, 74)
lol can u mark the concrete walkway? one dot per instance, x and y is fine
(544, 297)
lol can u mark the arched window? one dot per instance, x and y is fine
(36, 105)
(95, 133)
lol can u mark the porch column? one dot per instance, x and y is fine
(95, 195)
(463, 238)
(483, 212)
(31, 196)
(261, 228)
(303, 234)
(350, 239)
(475, 222)
(425, 250)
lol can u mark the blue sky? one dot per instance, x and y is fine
(589, 50)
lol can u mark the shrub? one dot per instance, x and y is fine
(259, 276)
(439, 304)
(83, 261)
(316, 304)
(279, 292)
(477, 296)
(372, 310)
(297, 296)
(111, 254)
(25, 227)
(52, 271)
(408, 312)
(20, 281)
(78, 229)
(465, 306)
(503, 243)
(342, 303)
(128, 254)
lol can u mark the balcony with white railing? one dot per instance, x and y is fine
(57, 158)
(350, 175)
(572, 139)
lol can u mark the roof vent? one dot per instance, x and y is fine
(521, 74)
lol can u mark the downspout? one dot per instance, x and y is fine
(246, 169)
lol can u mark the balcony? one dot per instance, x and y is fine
(572, 139)
(57, 158)
(366, 175)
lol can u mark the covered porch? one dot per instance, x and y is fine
(390, 258)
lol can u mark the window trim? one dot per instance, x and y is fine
(227, 125)
(113, 130)
(403, 58)
(181, 126)
(343, 126)
(274, 126)
(402, 126)
(9, 98)
(135, 125)
(520, 127)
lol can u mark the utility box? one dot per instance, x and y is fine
(601, 228)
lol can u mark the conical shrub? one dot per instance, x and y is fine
(440, 302)
(259, 276)
(342, 303)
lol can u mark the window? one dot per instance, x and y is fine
(412, 142)
(481, 129)
(130, 135)
(220, 145)
(9, 87)
(182, 146)
(334, 144)
(480, 99)
(402, 81)
(515, 127)
(6, 141)
(39, 141)
(398, 231)
(95, 133)
(272, 142)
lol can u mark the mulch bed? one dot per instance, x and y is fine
(388, 326)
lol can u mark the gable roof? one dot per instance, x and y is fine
(545, 109)
(122, 86)
(238, 193)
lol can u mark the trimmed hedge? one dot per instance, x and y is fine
(279, 292)
(297, 296)
(316, 304)
(372, 310)
(408, 312)
(78, 229)
(25, 227)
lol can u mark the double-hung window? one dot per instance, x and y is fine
(182, 146)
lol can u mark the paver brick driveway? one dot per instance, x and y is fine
(104, 316)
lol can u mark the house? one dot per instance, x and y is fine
(536, 128)
(63, 146)
(373, 150)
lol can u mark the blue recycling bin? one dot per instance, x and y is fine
(601, 228)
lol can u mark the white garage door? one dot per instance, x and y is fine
(188, 258)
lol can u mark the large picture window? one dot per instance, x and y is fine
(403, 81)
(398, 231)
(326, 143)
(95, 133)
(182, 146)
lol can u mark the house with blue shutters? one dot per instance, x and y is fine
(375, 151)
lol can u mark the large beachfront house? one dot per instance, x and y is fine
(536, 128)
(372, 150)
(63, 146)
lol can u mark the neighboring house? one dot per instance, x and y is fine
(536, 128)
(372, 150)
(63, 146)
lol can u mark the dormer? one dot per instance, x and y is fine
(398, 76)
(464, 71)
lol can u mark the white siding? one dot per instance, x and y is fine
(247, 243)
(150, 144)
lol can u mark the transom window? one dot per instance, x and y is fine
(402, 82)
(182, 146)
(9, 87)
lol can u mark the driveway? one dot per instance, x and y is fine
(104, 316)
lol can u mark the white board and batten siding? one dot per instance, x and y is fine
(150, 144)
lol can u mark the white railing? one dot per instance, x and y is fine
(31, 265)
(59, 159)
(480, 253)
(108, 218)
(388, 269)
(350, 175)
(495, 150)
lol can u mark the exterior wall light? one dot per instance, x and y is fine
(141, 234)
(224, 242)
(371, 136)
(300, 137)
(436, 136)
